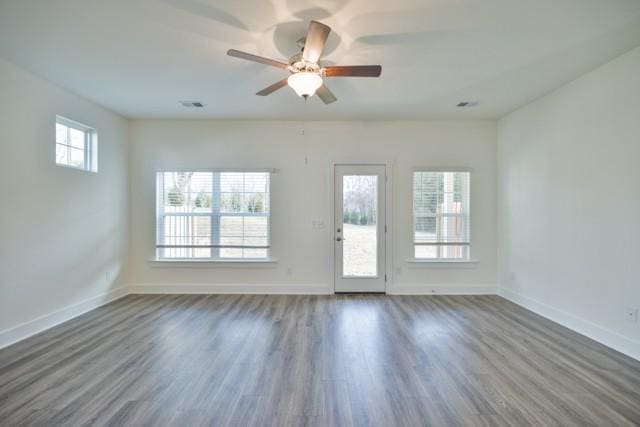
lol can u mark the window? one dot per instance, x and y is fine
(76, 145)
(213, 215)
(441, 215)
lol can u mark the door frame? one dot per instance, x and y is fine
(388, 214)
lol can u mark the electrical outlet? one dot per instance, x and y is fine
(289, 271)
(398, 271)
(632, 314)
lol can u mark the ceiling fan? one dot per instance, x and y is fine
(305, 68)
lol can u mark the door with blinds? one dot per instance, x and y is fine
(359, 228)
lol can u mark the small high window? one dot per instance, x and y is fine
(76, 145)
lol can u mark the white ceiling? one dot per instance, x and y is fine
(140, 57)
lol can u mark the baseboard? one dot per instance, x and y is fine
(597, 333)
(313, 289)
(602, 335)
(32, 327)
(198, 288)
(419, 289)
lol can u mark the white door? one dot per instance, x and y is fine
(359, 228)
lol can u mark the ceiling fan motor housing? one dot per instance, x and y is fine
(298, 64)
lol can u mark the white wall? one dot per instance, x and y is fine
(63, 232)
(569, 203)
(301, 193)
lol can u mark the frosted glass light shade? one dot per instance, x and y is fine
(305, 83)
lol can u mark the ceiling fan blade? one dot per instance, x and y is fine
(274, 87)
(255, 58)
(326, 95)
(352, 71)
(316, 37)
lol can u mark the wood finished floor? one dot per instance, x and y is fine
(189, 360)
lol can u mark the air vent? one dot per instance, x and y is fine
(467, 104)
(192, 104)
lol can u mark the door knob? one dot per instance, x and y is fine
(338, 239)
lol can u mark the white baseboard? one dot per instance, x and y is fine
(604, 336)
(597, 333)
(312, 289)
(419, 289)
(32, 327)
(196, 288)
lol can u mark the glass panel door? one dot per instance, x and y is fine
(359, 228)
(359, 220)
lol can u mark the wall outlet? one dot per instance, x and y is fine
(512, 277)
(289, 271)
(632, 314)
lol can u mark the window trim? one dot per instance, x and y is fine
(159, 261)
(208, 262)
(90, 149)
(469, 260)
(442, 262)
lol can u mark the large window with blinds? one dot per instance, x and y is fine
(441, 214)
(213, 215)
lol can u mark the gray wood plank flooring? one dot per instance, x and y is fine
(344, 360)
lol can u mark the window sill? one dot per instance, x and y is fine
(238, 263)
(443, 262)
(77, 168)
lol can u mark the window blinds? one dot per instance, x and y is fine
(202, 214)
(441, 214)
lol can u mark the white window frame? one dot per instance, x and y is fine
(90, 149)
(215, 215)
(468, 258)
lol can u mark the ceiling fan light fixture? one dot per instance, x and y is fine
(305, 83)
(307, 74)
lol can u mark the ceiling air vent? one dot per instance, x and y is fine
(192, 104)
(467, 104)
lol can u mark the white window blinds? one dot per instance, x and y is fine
(219, 215)
(441, 214)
